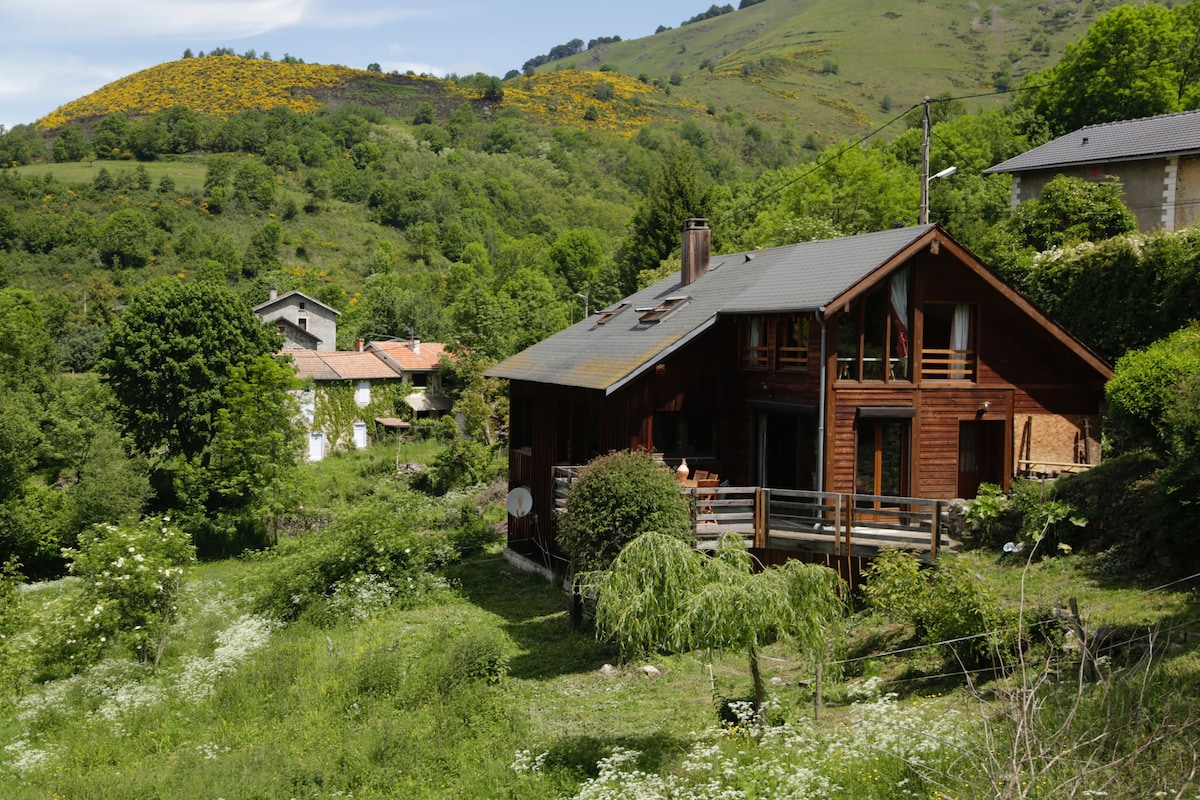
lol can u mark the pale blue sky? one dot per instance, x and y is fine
(54, 51)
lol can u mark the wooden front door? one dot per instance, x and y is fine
(980, 455)
(882, 457)
(787, 448)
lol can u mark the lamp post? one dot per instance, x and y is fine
(946, 173)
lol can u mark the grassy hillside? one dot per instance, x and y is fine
(825, 67)
(473, 686)
(828, 66)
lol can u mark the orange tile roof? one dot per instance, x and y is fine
(429, 357)
(348, 365)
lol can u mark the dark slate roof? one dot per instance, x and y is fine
(297, 333)
(799, 277)
(286, 299)
(1128, 140)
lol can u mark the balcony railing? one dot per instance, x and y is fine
(856, 525)
(948, 364)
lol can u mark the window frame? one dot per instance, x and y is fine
(755, 355)
(792, 357)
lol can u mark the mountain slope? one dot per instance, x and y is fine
(836, 67)
(819, 66)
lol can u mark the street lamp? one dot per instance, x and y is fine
(946, 173)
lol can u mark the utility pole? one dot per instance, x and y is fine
(923, 219)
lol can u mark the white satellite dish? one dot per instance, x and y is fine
(519, 502)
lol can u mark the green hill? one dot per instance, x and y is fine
(839, 68)
(822, 67)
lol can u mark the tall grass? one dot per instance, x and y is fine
(476, 688)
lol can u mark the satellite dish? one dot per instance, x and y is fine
(519, 502)
(1009, 547)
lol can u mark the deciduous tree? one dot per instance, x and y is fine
(1128, 66)
(1072, 210)
(125, 239)
(168, 359)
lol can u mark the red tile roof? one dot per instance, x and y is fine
(428, 357)
(347, 365)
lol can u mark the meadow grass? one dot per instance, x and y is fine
(188, 173)
(480, 690)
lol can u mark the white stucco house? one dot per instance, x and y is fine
(1156, 159)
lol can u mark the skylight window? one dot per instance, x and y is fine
(611, 312)
(664, 309)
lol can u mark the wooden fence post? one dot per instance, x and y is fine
(762, 517)
(1087, 666)
(848, 520)
(817, 702)
(935, 536)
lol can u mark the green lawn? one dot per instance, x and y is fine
(188, 174)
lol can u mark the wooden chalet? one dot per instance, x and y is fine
(807, 386)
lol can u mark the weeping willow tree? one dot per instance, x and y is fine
(661, 594)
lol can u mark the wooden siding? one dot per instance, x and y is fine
(1025, 371)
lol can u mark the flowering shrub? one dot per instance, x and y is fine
(886, 750)
(374, 555)
(221, 85)
(569, 97)
(131, 576)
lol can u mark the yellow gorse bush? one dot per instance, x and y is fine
(225, 85)
(568, 97)
(219, 85)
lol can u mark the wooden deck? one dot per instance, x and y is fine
(849, 525)
(819, 522)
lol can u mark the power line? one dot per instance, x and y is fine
(819, 165)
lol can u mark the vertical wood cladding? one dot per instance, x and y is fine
(1024, 371)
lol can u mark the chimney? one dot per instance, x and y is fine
(416, 345)
(696, 241)
(359, 345)
(273, 294)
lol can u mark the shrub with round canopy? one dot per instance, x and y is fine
(616, 498)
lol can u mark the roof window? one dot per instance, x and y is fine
(664, 309)
(610, 312)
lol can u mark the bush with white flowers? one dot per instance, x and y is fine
(131, 577)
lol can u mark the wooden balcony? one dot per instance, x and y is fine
(948, 365)
(850, 525)
(820, 522)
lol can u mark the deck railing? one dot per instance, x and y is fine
(948, 364)
(813, 522)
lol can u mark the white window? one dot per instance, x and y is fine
(362, 393)
(316, 446)
(308, 407)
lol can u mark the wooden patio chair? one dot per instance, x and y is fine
(706, 495)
